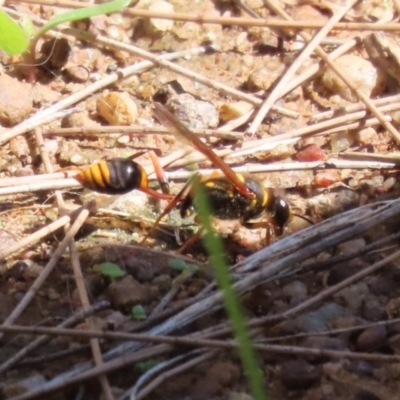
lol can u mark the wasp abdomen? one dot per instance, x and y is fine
(116, 176)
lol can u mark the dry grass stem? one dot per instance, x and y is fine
(75, 319)
(43, 116)
(24, 180)
(352, 108)
(248, 22)
(163, 62)
(339, 72)
(142, 130)
(290, 72)
(52, 184)
(204, 356)
(48, 268)
(197, 341)
(39, 234)
(78, 275)
(176, 309)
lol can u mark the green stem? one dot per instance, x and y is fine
(233, 307)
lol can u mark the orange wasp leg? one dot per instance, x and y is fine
(161, 177)
(191, 240)
(172, 204)
(264, 224)
(160, 173)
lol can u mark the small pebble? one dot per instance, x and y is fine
(15, 101)
(117, 108)
(196, 114)
(365, 76)
(299, 374)
(372, 338)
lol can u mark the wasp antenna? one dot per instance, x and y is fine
(136, 155)
(309, 220)
(175, 126)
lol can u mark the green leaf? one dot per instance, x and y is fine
(144, 366)
(111, 270)
(181, 265)
(138, 312)
(13, 39)
(82, 13)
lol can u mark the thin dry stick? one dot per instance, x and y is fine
(108, 42)
(142, 130)
(339, 72)
(195, 340)
(297, 81)
(276, 92)
(131, 393)
(307, 131)
(173, 372)
(249, 147)
(183, 71)
(47, 269)
(36, 186)
(38, 118)
(353, 155)
(337, 124)
(294, 166)
(23, 180)
(388, 162)
(325, 264)
(176, 286)
(354, 108)
(341, 285)
(63, 354)
(93, 373)
(324, 294)
(289, 251)
(250, 22)
(80, 316)
(332, 233)
(219, 344)
(79, 279)
(313, 69)
(46, 230)
(84, 298)
(162, 349)
(331, 332)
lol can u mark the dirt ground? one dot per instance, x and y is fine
(323, 297)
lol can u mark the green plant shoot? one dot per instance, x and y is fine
(76, 15)
(214, 247)
(181, 265)
(111, 270)
(138, 312)
(82, 13)
(13, 38)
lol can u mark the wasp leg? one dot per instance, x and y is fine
(160, 174)
(193, 239)
(305, 218)
(264, 224)
(169, 208)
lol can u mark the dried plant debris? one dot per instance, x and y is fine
(323, 298)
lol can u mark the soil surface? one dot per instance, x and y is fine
(322, 332)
